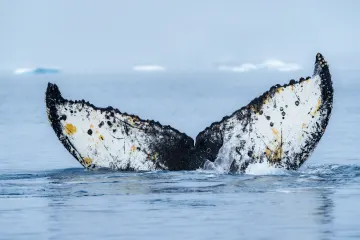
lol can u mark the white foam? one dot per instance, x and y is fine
(264, 169)
(253, 169)
(216, 167)
(283, 191)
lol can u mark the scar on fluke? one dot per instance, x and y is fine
(280, 128)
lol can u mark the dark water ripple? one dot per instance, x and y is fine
(77, 182)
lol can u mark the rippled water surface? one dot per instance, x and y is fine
(45, 194)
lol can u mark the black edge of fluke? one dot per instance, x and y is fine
(52, 97)
(327, 90)
(53, 92)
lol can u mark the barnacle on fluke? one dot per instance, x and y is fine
(280, 128)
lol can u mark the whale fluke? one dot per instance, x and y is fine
(280, 128)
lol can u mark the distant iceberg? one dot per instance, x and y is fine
(270, 64)
(39, 70)
(149, 68)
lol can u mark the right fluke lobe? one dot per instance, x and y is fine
(280, 128)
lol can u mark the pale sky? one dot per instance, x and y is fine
(116, 35)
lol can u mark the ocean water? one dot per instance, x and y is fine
(46, 194)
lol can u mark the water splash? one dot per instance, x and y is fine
(265, 168)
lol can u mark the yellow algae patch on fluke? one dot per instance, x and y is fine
(278, 90)
(70, 129)
(87, 161)
(318, 105)
(277, 155)
(276, 133)
(268, 153)
(274, 156)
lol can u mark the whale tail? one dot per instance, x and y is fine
(280, 128)
(105, 137)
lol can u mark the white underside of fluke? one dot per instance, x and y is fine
(107, 146)
(278, 129)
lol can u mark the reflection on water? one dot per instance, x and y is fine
(325, 213)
